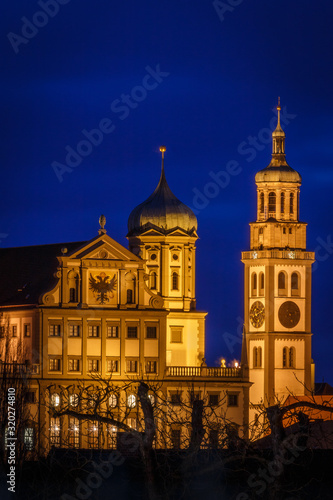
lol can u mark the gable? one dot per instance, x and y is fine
(105, 248)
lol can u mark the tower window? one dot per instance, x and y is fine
(257, 357)
(261, 284)
(295, 284)
(291, 203)
(282, 283)
(282, 202)
(284, 230)
(153, 281)
(288, 357)
(262, 203)
(271, 202)
(261, 230)
(254, 283)
(175, 281)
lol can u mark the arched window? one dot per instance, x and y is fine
(129, 296)
(261, 284)
(254, 283)
(282, 282)
(292, 357)
(295, 284)
(257, 357)
(282, 202)
(271, 202)
(291, 206)
(175, 281)
(262, 203)
(73, 285)
(285, 357)
(288, 357)
(153, 280)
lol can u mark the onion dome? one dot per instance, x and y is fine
(162, 210)
(278, 170)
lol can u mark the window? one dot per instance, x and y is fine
(291, 203)
(288, 357)
(261, 284)
(2, 331)
(261, 230)
(290, 230)
(271, 202)
(294, 283)
(55, 431)
(72, 295)
(132, 422)
(175, 438)
(257, 357)
(55, 399)
(74, 400)
(175, 279)
(30, 397)
(54, 364)
(151, 398)
(232, 399)
(284, 230)
(129, 296)
(151, 367)
(213, 399)
(28, 438)
(262, 203)
(112, 437)
(151, 332)
(112, 331)
(113, 400)
(132, 366)
(73, 365)
(93, 434)
(93, 330)
(132, 332)
(282, 281)
(74, 432)
(131, 401)
(54, 330)
(93, 365)
(175, 398)
(153, 280)
(112, 365)
(14, 330)
(74, 330)
(177, 335)
(254, 283)
(282, 203)
(26, 330)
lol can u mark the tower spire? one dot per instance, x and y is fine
(278, 142)
(163, 150)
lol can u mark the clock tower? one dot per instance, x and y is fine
(277, 291)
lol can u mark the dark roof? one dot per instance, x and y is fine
(28, 272)
(323, 389)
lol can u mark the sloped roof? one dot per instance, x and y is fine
(27, 272)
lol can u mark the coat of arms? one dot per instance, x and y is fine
(103, 285)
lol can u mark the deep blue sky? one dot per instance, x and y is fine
(225, 73)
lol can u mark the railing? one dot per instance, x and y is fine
(18, 368)
(203, 371)
(278, 254)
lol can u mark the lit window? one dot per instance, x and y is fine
(74, 400)
(74, 330)
(132, 366)
(55, 431)
(93, 435)
(112, 437)
(93, 365)
(151, 397)
(151, 367)
(151, 332)
(74, 432)
(73, 365)
(93, 330)
(112, 365)
(131, 401)
(54, 364)
(54, 330)
(55, 399)
(26, 330)
(113, 400)
(112, 331)
(29, 438)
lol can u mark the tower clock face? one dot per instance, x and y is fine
(289, 314)
(257, 314)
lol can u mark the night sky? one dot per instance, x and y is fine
(201, 77)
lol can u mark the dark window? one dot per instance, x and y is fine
(153, 280)
(112, 331)
(54, 364)
(2, 331)
(262, 280)
(175, 281)
(129, 296)
(151, 367)
(74, 330)
(26, 330)
(261, 230)
(284, 357)
(254, 281)
(177, 335)
(291, 203)
(72, 295)
(30, 397)
(175, 438)
(284, 230)
(175, 399)
(14, 330)
(282, 203)
(232, 399)
(93, 330)
(257, 357)
(291, 357)
(151, 332)
(282, 281)
(132, 366)
(214, 438)
(271, 202)
(213, 399)
(290, 230)
(262, 203)
(132, 332)
(294, 281)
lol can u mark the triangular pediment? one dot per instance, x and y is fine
(105, 248)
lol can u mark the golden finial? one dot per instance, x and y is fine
(278, 110)
(163, 150)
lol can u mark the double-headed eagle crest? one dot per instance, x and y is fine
(102, 285)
